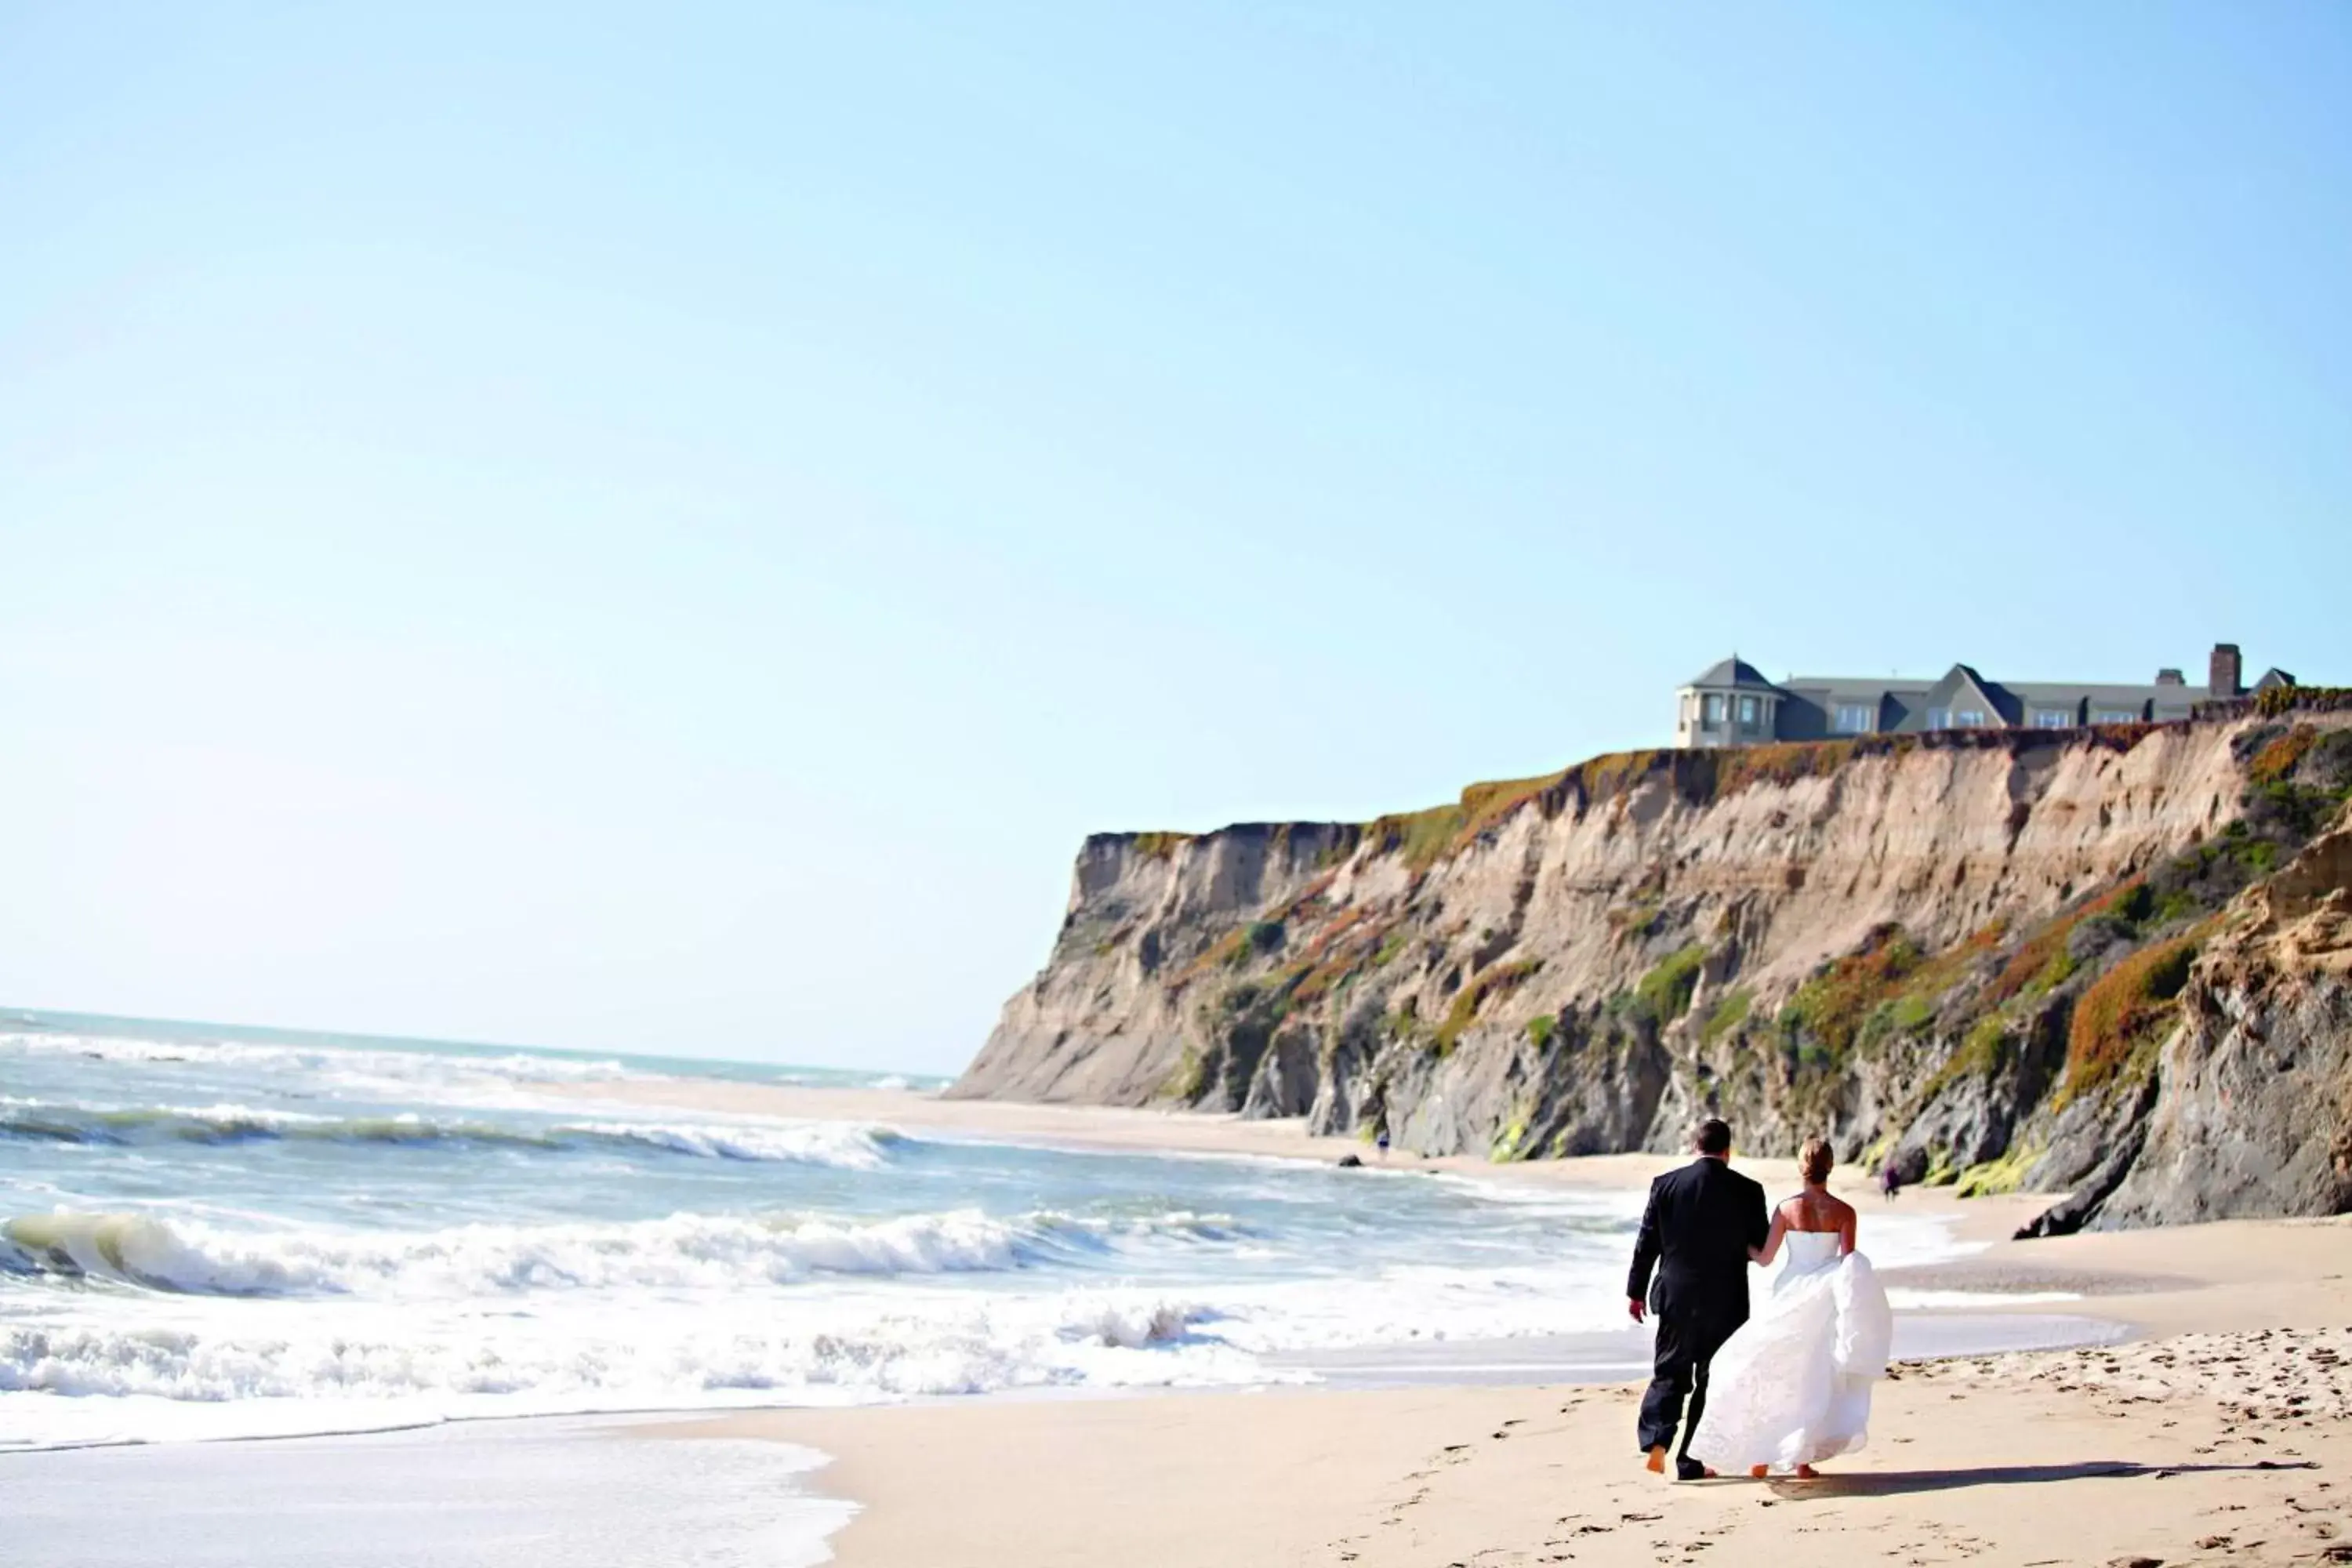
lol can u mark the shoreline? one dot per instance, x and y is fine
(1124, 1129)
(2217, 1426)
(2201, 1411)
(2172, 1434)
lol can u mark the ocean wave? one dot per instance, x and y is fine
(839, 1145)
(640, 1360)
(415, 1063)
(684, 1253)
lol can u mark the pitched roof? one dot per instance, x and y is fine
(1960, 686)
(1733, 671)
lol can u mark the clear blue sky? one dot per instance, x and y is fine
(661, 528)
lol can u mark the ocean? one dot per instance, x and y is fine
(215, 1233)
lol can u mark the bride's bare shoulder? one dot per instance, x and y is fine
(1815, 1211)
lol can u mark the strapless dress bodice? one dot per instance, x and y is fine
(1808, 1252)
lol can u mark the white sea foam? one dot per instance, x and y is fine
(275, 1239)
(684, 1252)
(838, 1143)
(843, 1145)
(445, 1360)
(406, 1066)
(694, 1310)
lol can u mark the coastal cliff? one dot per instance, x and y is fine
(2112, 962)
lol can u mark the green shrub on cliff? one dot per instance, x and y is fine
(1485, 805)
(2283, 699)
(1488, 984)
(1833, 1006)
(2042, 961)
(1890, 987)
(1981, 1055)
(1188, 1077)
(1664, 995)
(1739, 767)
(2124, 1015)
(1729, 1014)
(2278, 759)
(1999, 1177)
(1421, 837)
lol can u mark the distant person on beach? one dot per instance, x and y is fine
(1701, 1227)
(1890, 1182)
(1792, 1387)
(1381, 1142)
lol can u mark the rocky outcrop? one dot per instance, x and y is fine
(2254, 1116)
(1990, 957)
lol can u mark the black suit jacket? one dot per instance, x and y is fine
(1695, 1232)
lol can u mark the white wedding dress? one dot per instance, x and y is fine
(1792, 1387)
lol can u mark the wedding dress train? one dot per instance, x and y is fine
(1792, 1387)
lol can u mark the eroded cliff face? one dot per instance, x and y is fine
(2253, 1115)
(2083, 959)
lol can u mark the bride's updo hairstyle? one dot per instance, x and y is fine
(1817, 1159)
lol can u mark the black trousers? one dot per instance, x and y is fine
(1687, 1342)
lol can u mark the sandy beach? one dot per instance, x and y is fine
(2203, 1414)
(2222, 1435)
(2217, 1433)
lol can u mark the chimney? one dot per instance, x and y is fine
(2224, 674)
(2170, 677)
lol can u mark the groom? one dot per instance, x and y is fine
(1700, 1222)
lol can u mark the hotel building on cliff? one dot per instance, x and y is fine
(1733, 705)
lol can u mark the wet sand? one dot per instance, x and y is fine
(2214, 1424)
(2222, 1434)
(2207, 1420)
(555, 1492)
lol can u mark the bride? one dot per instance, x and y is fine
(1792, 1387)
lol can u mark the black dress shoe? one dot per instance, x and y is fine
(1689, 1470)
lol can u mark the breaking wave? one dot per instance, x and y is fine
(1076, 1337)
(686, 1252)
(813, 1143)
(384, 1062)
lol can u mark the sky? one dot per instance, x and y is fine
(661, 529)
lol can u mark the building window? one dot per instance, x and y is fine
(1940, 717)
(2052, 718)
(1711, 711)
(1747, 712)
(2115, 716)
(1969, 719)
(1853, 719)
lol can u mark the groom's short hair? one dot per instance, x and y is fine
(1712, 1136)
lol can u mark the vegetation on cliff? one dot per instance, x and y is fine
(1447, 974)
